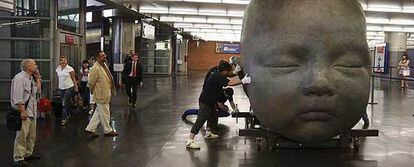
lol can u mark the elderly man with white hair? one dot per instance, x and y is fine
(23, 98)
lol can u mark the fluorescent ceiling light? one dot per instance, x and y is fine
(190, 19)
(203, 26)
(187, 11)
(393, 28)
(374, 28)
(384, 7)
(153, 9)
(183, 25)
(171, 18)
(236, 21)
(400, 21)
(205, 1)
(235, 13)
(408, 29)
(208, 30)
(225, 31)
(243, 2)
(375, 33)
(222, 26)
(236, 27)
(375, 38)
(212, 12)
(408, 8)
(377, 20)
(218, 20)
(192, 30)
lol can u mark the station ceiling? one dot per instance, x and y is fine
(222, 19)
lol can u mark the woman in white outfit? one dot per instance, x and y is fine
(404, 70)
(67, 86)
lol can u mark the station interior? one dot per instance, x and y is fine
(177, 42)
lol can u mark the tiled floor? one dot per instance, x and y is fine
(154, 134)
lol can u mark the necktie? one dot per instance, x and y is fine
(134, 69)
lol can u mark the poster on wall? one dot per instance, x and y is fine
(148, 31)
(380, 58)
(227, 48)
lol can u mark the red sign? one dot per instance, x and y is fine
(69, 39)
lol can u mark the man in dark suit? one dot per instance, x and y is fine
(132, 76)
(129, 57)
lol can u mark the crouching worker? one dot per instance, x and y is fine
(228, 95)
(210, 97)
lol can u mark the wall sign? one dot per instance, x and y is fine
(227, 48)
(148, 31)
(381, 58)
(69, 39)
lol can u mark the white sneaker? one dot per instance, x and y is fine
(90, 112)
(192, 145)
(210, 135)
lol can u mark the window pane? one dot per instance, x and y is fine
(25, 28)
(68, 15)
(32, 8)
(25, 49)
(161, 69)
(11, 68)
(6, 86)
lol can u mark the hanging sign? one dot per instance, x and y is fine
(227, 48)
(148, 31)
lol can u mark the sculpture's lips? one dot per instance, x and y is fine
(317, 115)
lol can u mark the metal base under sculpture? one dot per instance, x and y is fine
(270, 140)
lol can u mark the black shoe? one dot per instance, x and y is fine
(92, 134)
(33, 157)
(134, 105)
(111, 134)
(20, 163)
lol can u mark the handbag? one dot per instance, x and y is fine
(406, 72)
(13, 117)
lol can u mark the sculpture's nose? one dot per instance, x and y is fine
(316, 82)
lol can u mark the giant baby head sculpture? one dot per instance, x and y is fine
(309, 64)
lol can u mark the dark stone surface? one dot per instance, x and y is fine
(153, 135)
(309, 64)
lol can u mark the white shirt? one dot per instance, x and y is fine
(133, 67)
(65, 81)
(23, 87)
(84, 78)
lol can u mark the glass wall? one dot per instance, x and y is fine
(155, 53)
(35, 8)
(24, 33)
(68, 15)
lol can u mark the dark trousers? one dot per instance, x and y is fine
(84, 90)
(205, 113)
(131, 89)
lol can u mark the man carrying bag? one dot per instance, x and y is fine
(23, 100)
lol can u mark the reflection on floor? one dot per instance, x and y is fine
(154, 135)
